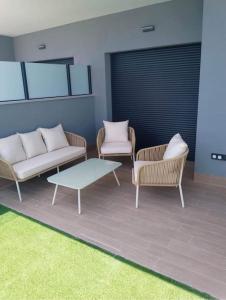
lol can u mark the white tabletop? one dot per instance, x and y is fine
(84, 174)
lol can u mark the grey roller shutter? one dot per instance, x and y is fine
(157, 90)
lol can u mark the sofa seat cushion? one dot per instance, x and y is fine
(39, 164)
(138, 164)
(114, 148)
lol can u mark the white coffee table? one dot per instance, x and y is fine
(80, 176)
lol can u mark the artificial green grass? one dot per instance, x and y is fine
(37, 262)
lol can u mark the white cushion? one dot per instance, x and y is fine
(138, 164)
(54, 138)
(112, 148)
(116, 131)
(176, 147)
(11, 149)
(33, 143)
(39, 164)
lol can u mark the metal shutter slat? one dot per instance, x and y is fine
(157, 90)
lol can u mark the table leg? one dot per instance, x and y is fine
(79, 202)
(54, 196)
(116, 178)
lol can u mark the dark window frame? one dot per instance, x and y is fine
(62, 61)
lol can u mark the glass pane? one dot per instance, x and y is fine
(79, 79)
(46, 80)
(11, 81)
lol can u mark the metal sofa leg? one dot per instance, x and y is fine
(18, 191)
(181, 195)
(137, 196)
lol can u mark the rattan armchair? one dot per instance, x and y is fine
(159, 172)
(131, 138)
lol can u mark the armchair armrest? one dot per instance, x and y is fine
(163, 173)
(132, 138)
(75, 139)
(100, 139)
(152, 153)
(6, 170)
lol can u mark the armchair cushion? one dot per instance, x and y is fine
(138, 164)
(116, 131)
(33, 143)
(54, 137)
(11, 149)
(116, 148)
(176, 147)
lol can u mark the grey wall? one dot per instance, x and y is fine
(76, 115)
(177, 22)
(6, 48)
(211, 135)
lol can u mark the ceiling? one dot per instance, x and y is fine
(19, 17)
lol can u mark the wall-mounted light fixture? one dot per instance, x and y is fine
(148, 28)
(42, 46)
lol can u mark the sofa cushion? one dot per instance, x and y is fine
(33, 143)
(138, 164)
(11, 149)
(39, 164)
(116, 131)
(54, 138)
(114, 148)
(176, 147)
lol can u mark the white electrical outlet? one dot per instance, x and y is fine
(218, 156)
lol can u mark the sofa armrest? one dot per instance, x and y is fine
(6, 170)
(100, 139)
(152, 153)
(75, 139)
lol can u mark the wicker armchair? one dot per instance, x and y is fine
(7, 170)
(131, 138)
(159, 172)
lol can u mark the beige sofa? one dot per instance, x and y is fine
(32, 167)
